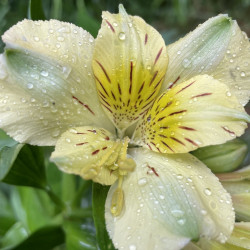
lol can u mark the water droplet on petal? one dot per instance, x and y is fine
(142, 181)
(36, 38)
(207, 191)
(122, 36)
(44, 73)
(242, 74)
(30, 86)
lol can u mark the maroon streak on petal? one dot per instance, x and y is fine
(185, 87)
(173, 83)
(113, 95)
(79, 133)
(187, 128)
(131, 77)
(102, 94)
(104, 148)
(177, 112)
(204, 94)
(154, 171)
(107, 108)
(141, 88)
(119, 88)
(153, 78)
(92, 131)
(163, 136)
(85, 105)
(107, 138)
(158, 55)
(95, 152)
(165, 144)
(105, 102)
(146, 39)
(168, 104)
(104, 71)
(149, 146)
(111, 27)
(229, 131)
(177, 140)
(101, 85)
(158, 82)
(82, 143)
(164, 127)
(191, 141)
(151, 95)
(160, 119)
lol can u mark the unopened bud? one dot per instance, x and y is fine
(223, 158)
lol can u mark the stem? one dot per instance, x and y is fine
(57, 201)
(83, 188)
(80, 213)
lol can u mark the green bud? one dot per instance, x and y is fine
(238, 185)
(223, 158)
(238, 240)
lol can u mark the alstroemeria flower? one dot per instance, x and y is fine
(60, 86)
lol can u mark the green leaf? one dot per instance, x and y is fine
(14, 235)
(35, 11)
(99, 194)
(22, 165)
(79, 236)
(85, 20)
(44, 238)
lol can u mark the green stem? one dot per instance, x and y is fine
(83, 188)
(80, 213)
(56, 200)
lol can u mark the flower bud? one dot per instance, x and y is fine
(223, 158)
(238, 185)
(238, 240)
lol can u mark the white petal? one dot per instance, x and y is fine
(168, 201)
(46, 82)
(217, 47)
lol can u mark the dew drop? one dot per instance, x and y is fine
(207, 191)
(44, 73)
(36, 38)
(55, 132)
(122, 36)
(60, 38)
(242, 74)
(132, 247)
(204, 212)
(179, 176)
(30, 86)
(186, 63)
(181, 222)
(142, 181)
(228, 93)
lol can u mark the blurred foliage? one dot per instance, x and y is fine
(60, 205)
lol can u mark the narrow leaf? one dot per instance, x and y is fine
(35, 11)
(44, 238)
(22, 165)
(99, 194)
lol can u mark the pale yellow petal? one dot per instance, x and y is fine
(46, 81)
(218, 48)
(88, 152)
(196, 113)
(129, 64)
(167, 202)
